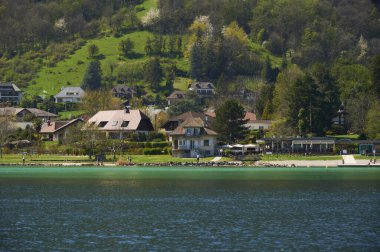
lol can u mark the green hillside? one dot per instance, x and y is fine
(296, 62)
(70, 72)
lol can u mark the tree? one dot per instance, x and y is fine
(196, 61)
(5, 130)
(153, 73)
(285, 81)
(229, 122)
(372, 128)
(94, 101)
(303, 108)
(376, 75)
(356, 93)
(192, 103)
(328, 103)
(93, 50)
(93, 77)
(126, 46)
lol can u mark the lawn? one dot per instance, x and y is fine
(181, 83)
(68, 115)
(282, 157)
(146, 6)
(137, 159)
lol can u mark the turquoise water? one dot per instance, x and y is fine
(191, 209)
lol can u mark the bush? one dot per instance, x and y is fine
(160, 144)
(153, 151)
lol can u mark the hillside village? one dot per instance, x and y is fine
(138, 80)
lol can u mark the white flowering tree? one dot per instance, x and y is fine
(151, 17)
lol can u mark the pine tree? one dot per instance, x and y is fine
(93, 77)
(196, 61)
(229, 122)
(153, 73)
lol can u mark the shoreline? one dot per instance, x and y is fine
(270, 164)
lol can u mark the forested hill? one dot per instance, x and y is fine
(304, 58)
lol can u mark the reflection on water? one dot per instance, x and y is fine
(188, 214)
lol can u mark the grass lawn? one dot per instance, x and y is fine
(282, 157)
(68, 115)
(181, 83)
(351, 136)
(147, 5)
(358, 156)
(137, 159)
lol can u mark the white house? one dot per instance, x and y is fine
(117, 124)
(70, 94)
(192, 138)
(205, 89)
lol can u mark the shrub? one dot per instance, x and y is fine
(153, 151)
(160, 144)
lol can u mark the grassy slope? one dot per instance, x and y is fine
(69, 73)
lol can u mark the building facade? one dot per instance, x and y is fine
(10, 93)
(118, 124)
(193, 138)
(70, 94)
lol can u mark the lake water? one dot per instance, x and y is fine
(189, 209)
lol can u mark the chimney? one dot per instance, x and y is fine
(48, 122)
(126, 109)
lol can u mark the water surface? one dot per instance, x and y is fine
(196, 209)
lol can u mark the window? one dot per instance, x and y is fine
(206, 142)
(114, 123)
(124, 124)
(181, 142)
(189, 131)
(102, 124)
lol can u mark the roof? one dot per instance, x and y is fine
(41, 113)
(76, 92)
(177, 94)
(193, 123)
(113, 119)
(51, 127)
(123, 89)
(10, 85)
(210, 113)
(201, 85)
(186, 115)
(250, 116)
(9, 111)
